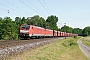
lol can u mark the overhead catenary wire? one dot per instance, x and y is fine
(11, 8)
(3, 9)
(16, 6)
(7, 12)
(60, 24)
(30, 7)
(46, 5)
(35, 6)
(43, 6)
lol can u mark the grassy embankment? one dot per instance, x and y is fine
(66, 49)
(86, 41)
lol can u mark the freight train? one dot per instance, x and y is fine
(31, 31)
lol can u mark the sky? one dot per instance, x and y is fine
(75, 13)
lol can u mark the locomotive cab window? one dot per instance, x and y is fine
(25, 26)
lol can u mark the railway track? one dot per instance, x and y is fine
(9, 43)
(14, 47)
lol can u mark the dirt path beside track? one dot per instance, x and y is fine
(84, 49)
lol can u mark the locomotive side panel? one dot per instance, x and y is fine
(37, 31)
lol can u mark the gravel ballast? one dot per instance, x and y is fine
(19, 48)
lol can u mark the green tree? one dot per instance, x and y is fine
(18, 24)
(86, 31)
(66, 29)
(42, 22)
(37, 20)
(51, 22)
(8, 29)
(14, 30)
(23, 21)
(77, 31)
(34, 20)
(1, 23)
(18, 20)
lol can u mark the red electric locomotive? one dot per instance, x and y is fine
(31, 31)
(34, 31)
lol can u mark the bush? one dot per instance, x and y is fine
(72, 42)
(69, 42)
(75, 36)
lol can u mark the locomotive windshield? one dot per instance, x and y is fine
(25, 26)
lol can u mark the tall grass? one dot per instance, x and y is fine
(66, 49)
(86, 41)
